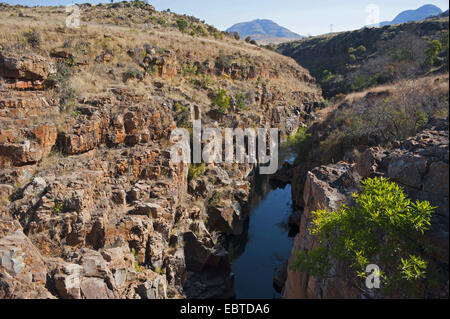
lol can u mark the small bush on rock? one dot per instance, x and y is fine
(33, 38)
(383, 227)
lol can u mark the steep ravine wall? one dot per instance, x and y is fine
(91, 205)
(419, 164)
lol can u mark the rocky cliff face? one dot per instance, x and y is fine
(91, 205)
(419, 164)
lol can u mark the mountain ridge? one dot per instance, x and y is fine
(264, 31)
(418, 14)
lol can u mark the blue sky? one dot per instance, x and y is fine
(302, 16)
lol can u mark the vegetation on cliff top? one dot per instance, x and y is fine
(355, 60)
(382, 115)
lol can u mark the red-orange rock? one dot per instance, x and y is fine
(46, 134)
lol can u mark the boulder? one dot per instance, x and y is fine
(26, 67)
(226, 217)
(23, 273)
(153, 289)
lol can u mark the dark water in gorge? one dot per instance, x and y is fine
(266, 245)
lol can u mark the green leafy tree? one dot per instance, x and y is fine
(383, 227)
(432, 50)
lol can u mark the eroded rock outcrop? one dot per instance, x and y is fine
(87, 184)
(327, 187)
(419, 164)
(23, 272)
(25, 71)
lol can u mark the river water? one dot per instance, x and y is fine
(266, 244)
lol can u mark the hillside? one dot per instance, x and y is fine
(397, 131)
(419, 14)
(352, 61)
(387, 111)
(92, 205)
(264, 32)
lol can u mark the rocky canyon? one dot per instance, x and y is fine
(92, 206)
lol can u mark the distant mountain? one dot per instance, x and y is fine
(443, 14)
(419, 14)
(264, 31)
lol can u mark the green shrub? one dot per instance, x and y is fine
(314, 263)
(224, 60)
(205, 81)
(445, 48)
(76, 113)
(327, 76)
(179, 108)
(71, 61)
(215, 199)
(214, 32)
(132, 73)
(221, 101)
(66, 92)
(432, 50)
(161, 21)
(198, 29)
(361, 49)
(331, 149)
(403, 54)
(195, 170)
(383, 227)
(160, 271)
(189, 69)
(138, 3)
(187, 125)
(33, 38)
(58, 208)
(363, 81)
(182, 24)
(217, 35)
(300, 142)
(137, 267)
(240, 101)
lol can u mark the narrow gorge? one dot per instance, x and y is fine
(93, 206)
